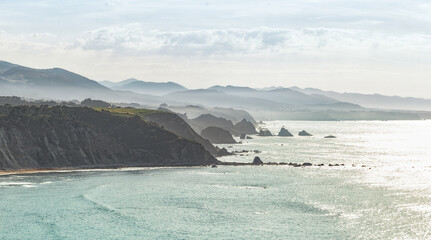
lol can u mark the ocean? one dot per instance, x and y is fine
(383, 191)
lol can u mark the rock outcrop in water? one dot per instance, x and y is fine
(330, 136)
(257, 161)
(303, 133)
(265, 133)
(217, 135)
(51, 137)
(245, 127)
(284, 133)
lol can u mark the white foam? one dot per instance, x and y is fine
(14, 183)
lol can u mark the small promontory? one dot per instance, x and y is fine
(217, 135)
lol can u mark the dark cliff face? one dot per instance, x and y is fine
(175, 124)
(42, 137)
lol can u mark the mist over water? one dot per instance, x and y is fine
(390, 198)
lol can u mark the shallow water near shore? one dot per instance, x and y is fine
(390, 198)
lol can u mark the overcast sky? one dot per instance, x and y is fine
(369, 46)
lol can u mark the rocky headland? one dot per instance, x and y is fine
(54, 137)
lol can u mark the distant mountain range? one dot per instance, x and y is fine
(376, 101)
(265, 103)
(138, 86)
(60, 84)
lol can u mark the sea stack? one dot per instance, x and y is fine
(303, 133)
(284, 133)
(257, 161)
(265, 133)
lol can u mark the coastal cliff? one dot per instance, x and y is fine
(51, 137)
(174, 123)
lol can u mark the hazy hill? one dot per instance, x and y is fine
(53, 83)
(4, 66)
(152, 88)
(60, 84)
(56, 77)
(213, 98)
(113, 85)
(374, 100)
(271, 103)
(279, 95)
(194, 111)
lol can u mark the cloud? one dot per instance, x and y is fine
(133, 39)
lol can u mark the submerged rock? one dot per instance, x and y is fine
(303, 133)
(265, 133)
(330, 136)
(248, 137)
(284, 133)
(307, 164)
(257, 161)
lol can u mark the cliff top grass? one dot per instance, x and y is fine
(129, 112)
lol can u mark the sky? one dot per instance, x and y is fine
(367, 46)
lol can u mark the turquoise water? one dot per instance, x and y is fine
(390, 198)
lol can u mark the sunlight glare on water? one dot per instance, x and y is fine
(390, 198)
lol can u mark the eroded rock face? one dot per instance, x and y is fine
(217, 135)
(303, 133)
(245, 127)
(42, 137)
(265, 133)
(284, 133)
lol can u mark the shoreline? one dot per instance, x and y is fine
(113, 168)
(88, 169)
